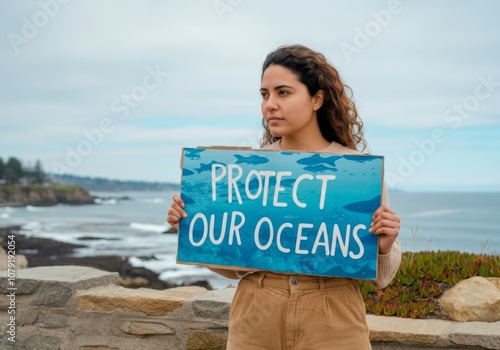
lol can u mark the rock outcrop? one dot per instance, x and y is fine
(474, 299)
(19, 196)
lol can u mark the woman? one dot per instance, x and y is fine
(305, 107)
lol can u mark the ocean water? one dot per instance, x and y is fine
(466, 222)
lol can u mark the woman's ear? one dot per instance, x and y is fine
(318, 99)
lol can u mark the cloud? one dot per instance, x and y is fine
(69, 76)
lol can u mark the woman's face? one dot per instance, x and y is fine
(287, 107)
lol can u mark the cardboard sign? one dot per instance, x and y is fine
(289, 212)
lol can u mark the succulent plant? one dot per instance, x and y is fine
(422, 278)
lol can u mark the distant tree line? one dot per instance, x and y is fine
(13, 172)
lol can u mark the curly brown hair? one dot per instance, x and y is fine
(338, 117)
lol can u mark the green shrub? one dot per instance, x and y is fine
(7, 191)
(422, 278)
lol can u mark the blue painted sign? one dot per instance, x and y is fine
(289, 212)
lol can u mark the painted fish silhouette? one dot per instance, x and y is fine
(253, 159)
(186, 199)
(287, 153)
(318, 159)
(187, 172)
(360, 158)
(364, 207)
(193, 153)
(206, 167)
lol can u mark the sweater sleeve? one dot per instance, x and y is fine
(388, 265)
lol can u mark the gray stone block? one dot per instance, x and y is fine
(84, 277)
(52, 294)
(38, 342)
(53, 320)
(42, 342)
(214, 305)
(475, 334)
(54, 285)
(24, 287)
(26, 315)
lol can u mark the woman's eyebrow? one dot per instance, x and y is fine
(278, 87)
(283, 86)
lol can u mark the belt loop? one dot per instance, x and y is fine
(322, 284)
(262, 275)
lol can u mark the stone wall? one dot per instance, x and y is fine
(71, 307)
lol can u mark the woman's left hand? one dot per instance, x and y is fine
(385, 224)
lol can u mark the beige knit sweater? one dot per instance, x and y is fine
(388, 264)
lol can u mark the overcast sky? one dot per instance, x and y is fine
(116, 88)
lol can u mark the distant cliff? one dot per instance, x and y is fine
(37, 195)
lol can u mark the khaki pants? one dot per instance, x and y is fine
(297, 312)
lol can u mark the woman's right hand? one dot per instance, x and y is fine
(176, 212)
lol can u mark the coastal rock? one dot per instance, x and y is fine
(77, 195)
(133, 282)
(23, 195)
(46, 252)
(171, 230)
(473, 299)
(20, 260)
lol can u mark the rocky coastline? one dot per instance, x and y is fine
(47, 252)
(38, 195)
